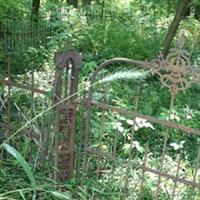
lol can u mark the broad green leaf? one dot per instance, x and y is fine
(23, 163)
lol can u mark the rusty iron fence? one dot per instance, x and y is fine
(47, 135)
(23, 32)
(83, 150)
(168, 177)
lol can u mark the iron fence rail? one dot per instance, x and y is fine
(81, 155)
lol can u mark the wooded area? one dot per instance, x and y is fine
(99, 99)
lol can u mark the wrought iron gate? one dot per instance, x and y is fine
(101, 160)
(130, 160)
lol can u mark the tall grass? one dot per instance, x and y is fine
(121, 75)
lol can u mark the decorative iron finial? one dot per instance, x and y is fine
(175, 71)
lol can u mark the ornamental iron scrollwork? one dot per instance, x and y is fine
(175, 71)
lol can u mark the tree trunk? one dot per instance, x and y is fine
(175, 24)
(197, 12)
(35, 9)
(73, 3)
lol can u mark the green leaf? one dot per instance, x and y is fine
(61, 195)
(23, 163)
(22, 195)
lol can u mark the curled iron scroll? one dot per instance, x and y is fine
(175, 71)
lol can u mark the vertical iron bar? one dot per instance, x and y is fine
(177, 174)
(102, 126)
(116, 139)
(58, 119)
(164, 147)
(195, 175)
(56, 145)
(73, 104)
(131, 141)
(80, 143)
(143, 172)
(86, 140)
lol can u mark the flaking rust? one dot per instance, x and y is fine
(66, 86)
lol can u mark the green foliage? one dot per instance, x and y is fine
(133, 29)
(60, 195)
(13, 8)
(24, 165)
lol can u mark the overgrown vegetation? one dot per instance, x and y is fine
(30, 34)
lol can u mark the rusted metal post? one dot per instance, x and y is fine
(68, 62)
